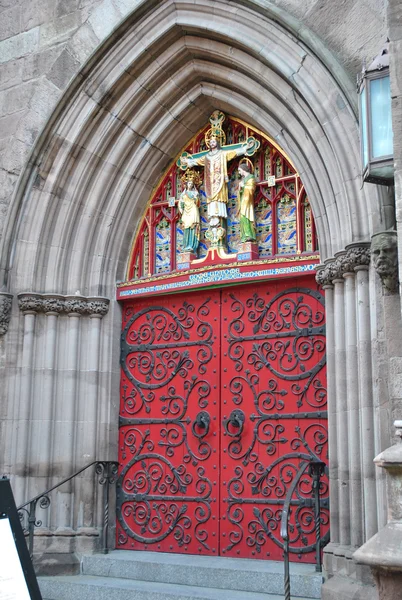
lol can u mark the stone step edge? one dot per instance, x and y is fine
(148, 590)
(216, 574)
(206, 562)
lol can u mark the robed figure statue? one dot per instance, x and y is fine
(247, 187)
(188, 204)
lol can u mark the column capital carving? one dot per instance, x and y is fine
(30, 302)
(355, 256)
(358, 255)
(98, 306)
(59, 305)
(322, 276)
(75, 305)
(6, 301)
(52, 303)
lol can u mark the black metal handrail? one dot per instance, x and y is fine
(107, 471)
(316, 470)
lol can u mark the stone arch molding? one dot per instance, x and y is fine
(145, 91)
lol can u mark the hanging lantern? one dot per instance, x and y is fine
(376, 121)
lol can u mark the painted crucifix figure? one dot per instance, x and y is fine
(215, 160)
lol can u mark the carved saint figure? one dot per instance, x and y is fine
(384, 251)
(247, 187)
(189, 202)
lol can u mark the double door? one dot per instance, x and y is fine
(223, 395)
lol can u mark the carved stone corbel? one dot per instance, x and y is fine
(384, 252)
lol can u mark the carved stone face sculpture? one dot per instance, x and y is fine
(384, 252)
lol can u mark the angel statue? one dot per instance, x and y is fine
(188, 204)
(215, 162)
(247, 187)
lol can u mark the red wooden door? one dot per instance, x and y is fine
(222, 397)
(273, 384)
(168, 490)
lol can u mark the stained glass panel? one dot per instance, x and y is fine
(162, 246)
(233, 225)
(179, 238)
(308, 229)
(145, 253)
(203, 248)
(278, 167)
(136, 272)
(267, 163)
(286, 215)
(263, 217)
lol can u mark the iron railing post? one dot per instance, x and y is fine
(31, 526)
(107, 472)
(316, 470)
(286, 583)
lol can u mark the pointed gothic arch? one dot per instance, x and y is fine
(137, 101)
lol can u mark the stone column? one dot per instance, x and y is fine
(357, 257)
(88, 413)
(366, 400)
(30, 305)
(65, 411)
(341, 403)
(324, 278)
(345, 313)
(40, 455)
(353, 411)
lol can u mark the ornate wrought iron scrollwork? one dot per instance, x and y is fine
(164, 494)
(278, 350)
(200, 426)
(235, 423)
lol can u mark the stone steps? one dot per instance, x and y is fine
(123, 575)
(88, 587)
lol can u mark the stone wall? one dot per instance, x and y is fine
(44, 43)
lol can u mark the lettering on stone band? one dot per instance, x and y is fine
(218, 276)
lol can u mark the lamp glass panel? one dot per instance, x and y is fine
(363, 124)
(381, 122)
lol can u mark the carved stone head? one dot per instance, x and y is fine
(384, 253)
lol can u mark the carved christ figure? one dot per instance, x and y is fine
(216, 173)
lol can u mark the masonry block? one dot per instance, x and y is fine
(63, 69)
(19, 45)
(10, 22)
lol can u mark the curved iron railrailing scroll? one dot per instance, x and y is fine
(316, 470)
(107, 474)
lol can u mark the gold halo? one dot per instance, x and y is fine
(192, 174)
(215, 132)
(247, 160)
